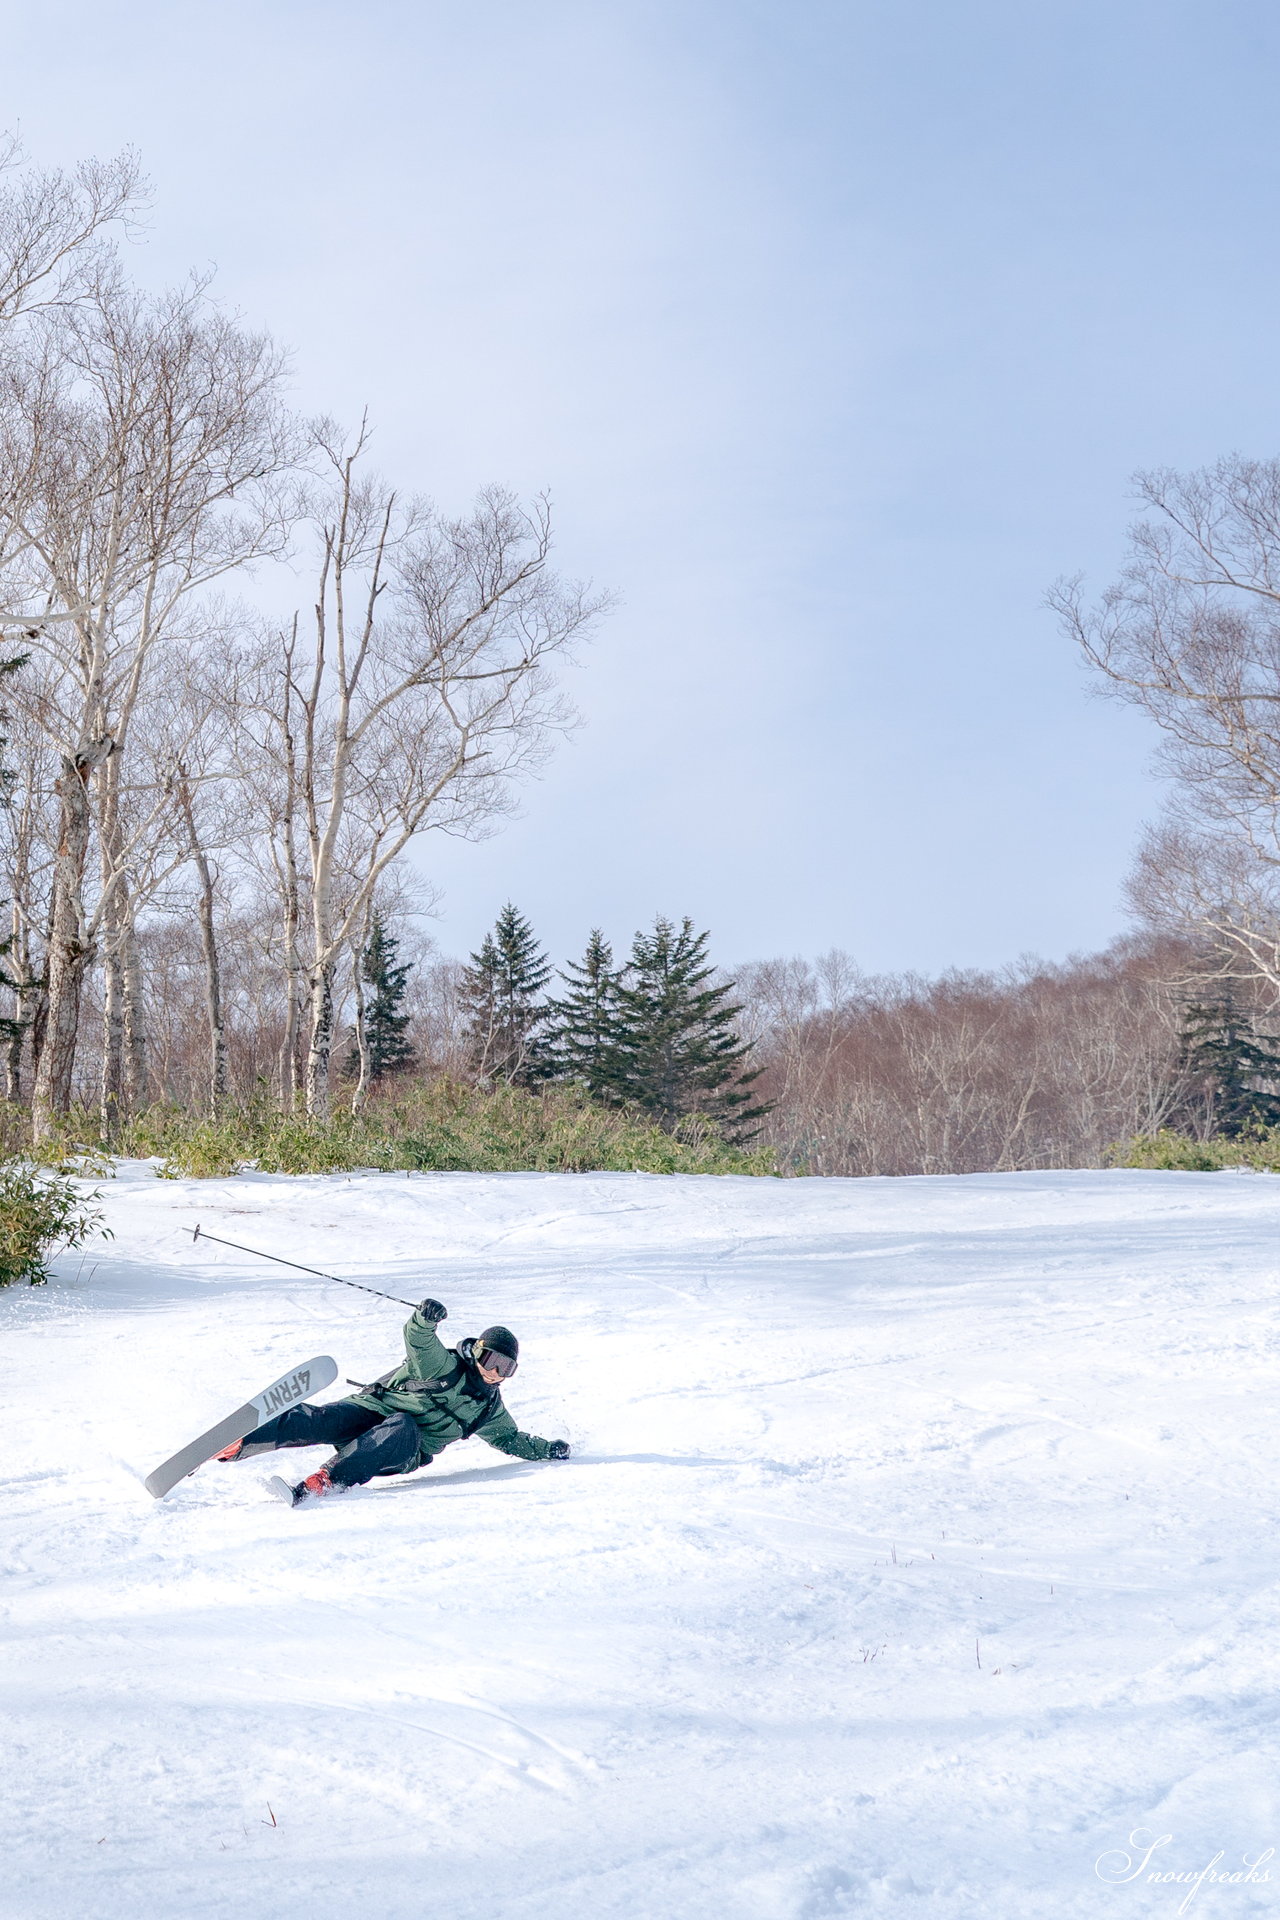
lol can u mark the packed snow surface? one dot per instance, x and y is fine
(917, 1552)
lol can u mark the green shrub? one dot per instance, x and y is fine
(39, 1210)
(1178, 1153)
(73, 1146)
(438, 1127)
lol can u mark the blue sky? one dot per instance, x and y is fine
(835, 331)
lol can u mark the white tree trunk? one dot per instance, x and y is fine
(135, 1033)
(69, 952)
(321, 1042)
(213, 987)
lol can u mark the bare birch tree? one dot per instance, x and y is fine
(54, 252)
(53, 226)
(206, 874)
(140, 446)
(1190, 635)
(196, 753)
(169, 816)
(419, 694)
(28, 835)
(264, 720)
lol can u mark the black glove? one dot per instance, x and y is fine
(433, 1313)
(558, 1450)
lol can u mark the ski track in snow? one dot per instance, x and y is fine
(917, 1550)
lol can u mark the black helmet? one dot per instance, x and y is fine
(503, 1345)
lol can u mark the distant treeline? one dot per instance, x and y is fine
(1039, 1065)
(826, 1069)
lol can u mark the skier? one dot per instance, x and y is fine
(438, 1395)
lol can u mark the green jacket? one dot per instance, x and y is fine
(441, 1387)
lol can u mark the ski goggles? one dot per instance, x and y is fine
(500, 1363)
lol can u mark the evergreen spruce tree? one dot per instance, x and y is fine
(1221, 1047)
(581, 1035)
(384, 1024)
(676, 1050)
(500, 992)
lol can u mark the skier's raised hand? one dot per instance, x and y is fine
(432, 1312)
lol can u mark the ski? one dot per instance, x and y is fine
(311, 1377)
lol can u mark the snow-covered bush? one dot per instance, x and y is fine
(40, 1209)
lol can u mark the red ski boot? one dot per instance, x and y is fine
(232, 1452)
(317, 1484)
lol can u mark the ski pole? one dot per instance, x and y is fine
(320, 1275)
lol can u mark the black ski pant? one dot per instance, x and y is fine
(367, 1442)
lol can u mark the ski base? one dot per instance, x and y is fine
(299, 1384)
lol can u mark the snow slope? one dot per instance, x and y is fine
(917, 1549)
